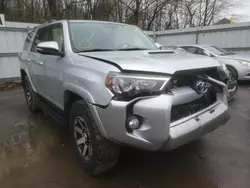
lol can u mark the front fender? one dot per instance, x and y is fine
(82, 92)
(79, 90)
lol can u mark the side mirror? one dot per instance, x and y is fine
(49, 48)
(207, 53)
(159, 46)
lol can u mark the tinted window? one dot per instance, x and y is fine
(41, 36)
(218, 51)
(200, 51)
(191, 49)
(50, 33)
(56, 34)
(100, 35)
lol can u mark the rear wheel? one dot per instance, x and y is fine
(32, 98)
(96, 154)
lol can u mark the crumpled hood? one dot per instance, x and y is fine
(153, 61)
(245, 57)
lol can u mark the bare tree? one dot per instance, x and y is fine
(203, 12)
(147, 14)
(52, 8)
(3, 4)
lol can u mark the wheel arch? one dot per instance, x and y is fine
(70, 98)
(74, 93)
(232, 67)
(70, 88)
(24, 73)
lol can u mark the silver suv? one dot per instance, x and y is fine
(112, 86)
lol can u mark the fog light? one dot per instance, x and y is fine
(133, 123)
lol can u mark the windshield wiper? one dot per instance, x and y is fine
(97, 50)
(131, 49)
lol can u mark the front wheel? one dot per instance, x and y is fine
(232, 83)
(233, 73)
(96, 154)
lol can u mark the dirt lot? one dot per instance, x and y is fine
(35, 153)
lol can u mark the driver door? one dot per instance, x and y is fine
(53, 66)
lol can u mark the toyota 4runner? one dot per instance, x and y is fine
(113, 87)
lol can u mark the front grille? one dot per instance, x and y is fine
(188, 77)
(187, 109)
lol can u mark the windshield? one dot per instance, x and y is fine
(100, 36)
(218, 51)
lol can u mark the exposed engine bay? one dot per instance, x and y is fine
(203, 91)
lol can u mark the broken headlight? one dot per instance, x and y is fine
(127, 86)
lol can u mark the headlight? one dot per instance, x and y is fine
(127, 86)
(246, 63)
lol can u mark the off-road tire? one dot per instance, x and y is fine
(104, 152)
(31, 97)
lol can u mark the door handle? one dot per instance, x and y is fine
(39, 62)
(28, 60)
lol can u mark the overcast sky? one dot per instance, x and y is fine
(240, 11)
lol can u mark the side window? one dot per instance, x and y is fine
(192, 50)
(41, 36)
(56, 32)
(50, 33)
(200, 51)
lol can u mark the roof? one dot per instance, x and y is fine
(87, 21)
(223, 21)
(96, 21)
(195, 45)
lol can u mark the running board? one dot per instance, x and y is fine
(53, 113)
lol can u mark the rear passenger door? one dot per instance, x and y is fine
(24, 56)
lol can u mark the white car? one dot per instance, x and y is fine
(237, 64)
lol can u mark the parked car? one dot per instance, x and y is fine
(237, 64)
(172, 48)
(113, 87)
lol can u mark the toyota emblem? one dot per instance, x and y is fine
(202, 87)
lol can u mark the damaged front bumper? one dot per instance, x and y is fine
(158, 130)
